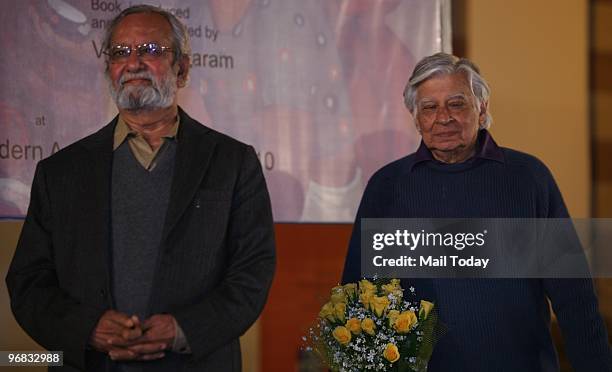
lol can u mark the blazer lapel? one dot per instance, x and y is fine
(193, 155)
(96, 188)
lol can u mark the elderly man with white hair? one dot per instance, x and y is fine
(460, 172)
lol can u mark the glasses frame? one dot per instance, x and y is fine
(142, 51)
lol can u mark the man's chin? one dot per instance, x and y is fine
(142, 98)
(447, 146)
(140, 106)
(132, 100)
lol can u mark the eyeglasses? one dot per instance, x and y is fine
(145, 51)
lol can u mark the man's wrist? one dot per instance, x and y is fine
(180, 344)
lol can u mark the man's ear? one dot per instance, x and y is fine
(482, 116)
(183, 71)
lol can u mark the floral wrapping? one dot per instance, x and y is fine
(374, 326)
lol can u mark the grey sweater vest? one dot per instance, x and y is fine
(139, 203)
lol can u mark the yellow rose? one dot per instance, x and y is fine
(350, 289)
(339, 310)
(392, 315)
(379, 304)
(337, 289)
(327, 312)
(391, 353)
(354, 325)
(342, 335)
(365, 286)
(338, 295)
(393, 287)
(425, 309)
(337, 298)
(389, 288)
(368, 326)
(405, 321)
(398, 294)
(366, 298)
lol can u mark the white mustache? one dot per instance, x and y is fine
(137, 75)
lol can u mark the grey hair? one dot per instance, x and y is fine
(448, 64)
(180, 38)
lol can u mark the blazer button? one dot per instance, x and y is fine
(102, 293)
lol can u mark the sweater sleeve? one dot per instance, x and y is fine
(575, 304)
(368, 208)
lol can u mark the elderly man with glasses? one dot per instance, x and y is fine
(148, 245)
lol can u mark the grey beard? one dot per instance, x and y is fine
(155, 96)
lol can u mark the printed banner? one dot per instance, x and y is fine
(314, 85)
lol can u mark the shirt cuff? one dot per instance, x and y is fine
(180, 344)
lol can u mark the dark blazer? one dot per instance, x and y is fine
(216, 260)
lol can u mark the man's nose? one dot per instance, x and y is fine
(442, 115)
(134, 62)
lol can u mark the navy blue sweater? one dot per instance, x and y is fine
(493, 324)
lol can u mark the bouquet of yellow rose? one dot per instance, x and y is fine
(374, 326)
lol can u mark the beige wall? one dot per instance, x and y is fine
(535, 56)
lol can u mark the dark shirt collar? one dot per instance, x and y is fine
(486, 148)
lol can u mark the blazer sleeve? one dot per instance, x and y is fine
(234, 305)
(48, 314)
